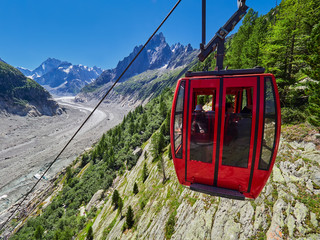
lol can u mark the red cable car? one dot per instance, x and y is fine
(225, 129)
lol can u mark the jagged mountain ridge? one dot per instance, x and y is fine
(23, 96)
(157, 55)
(45, 67)
(61, 77)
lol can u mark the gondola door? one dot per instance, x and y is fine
(201, 130)
(240, 101)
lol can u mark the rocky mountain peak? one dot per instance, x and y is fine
(61, 77)
(47, 66)
(157, 54)
(157, 40)
(188, 48)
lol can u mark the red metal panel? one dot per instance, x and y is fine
(179, 164)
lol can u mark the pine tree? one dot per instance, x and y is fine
(38, 234)
(314, 87)
(90, 233)
(130, 218)
(157, 144)
(235, 56)
(120, 205)
(145, 173)
(170, 154)
(115, 198)
(135, 188)
(68, 174)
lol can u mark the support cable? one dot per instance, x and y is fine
(19, 205)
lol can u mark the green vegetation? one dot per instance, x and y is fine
(14, 84)
(19, 91)
(170, 226)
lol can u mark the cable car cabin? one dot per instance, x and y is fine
(225, 132)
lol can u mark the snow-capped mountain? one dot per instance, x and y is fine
(62, 78)
(45, 67)
(157, 54)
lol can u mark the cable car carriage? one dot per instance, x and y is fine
(225, 127)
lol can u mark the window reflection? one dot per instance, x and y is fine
(237, 131)
(202, 125)
(269, 126)
(178, 121)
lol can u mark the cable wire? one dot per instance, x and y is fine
(103, 98)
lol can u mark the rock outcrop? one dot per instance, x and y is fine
(287, 208)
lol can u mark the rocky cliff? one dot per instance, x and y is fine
(23, 96)
(288, 207)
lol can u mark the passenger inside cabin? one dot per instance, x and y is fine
(231, 121)
(229, 107)
(199, 122)
(247, 109)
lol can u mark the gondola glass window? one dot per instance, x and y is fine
(178, 121)
(202, 125)
(237, 130)
(270, 127)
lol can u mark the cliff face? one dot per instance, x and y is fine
(23, 96)
(288, 207)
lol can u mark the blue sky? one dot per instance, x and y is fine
(102, 32)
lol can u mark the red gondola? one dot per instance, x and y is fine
(225, 151)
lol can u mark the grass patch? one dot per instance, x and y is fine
(169, 230)
(310, 200)
(107, 230)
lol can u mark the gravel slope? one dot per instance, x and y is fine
(29, 144)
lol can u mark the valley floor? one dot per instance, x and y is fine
(30, 144)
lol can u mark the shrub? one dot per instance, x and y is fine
(170, 226)
(293, 116)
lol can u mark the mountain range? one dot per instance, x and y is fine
(158, 59)
(62, 78)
